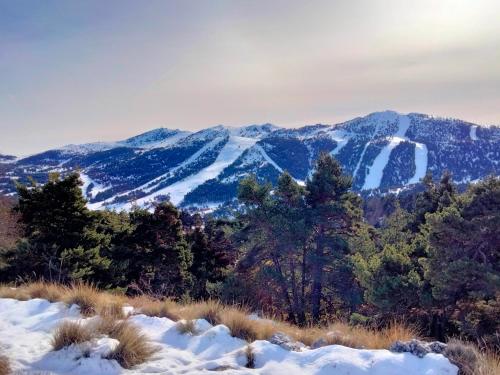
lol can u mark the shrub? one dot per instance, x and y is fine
(69, 333)
(134, 347)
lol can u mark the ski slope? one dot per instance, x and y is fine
(376, 171)
(234, 147)
(472, 133)
(27, 328)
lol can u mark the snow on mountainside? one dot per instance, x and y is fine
(383, 150)
(27, 328)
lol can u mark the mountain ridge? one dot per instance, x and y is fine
(382, 150)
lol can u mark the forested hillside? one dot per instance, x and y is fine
(303, 253)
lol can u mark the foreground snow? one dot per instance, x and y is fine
(26, 330)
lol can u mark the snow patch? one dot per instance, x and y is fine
(472, 133)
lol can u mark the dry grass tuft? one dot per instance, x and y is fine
(68, 333)
(20, 294)
(111, 307)
(245, 328)
(208, 310)
(250, 357)
(489, 364)
(87, 297)
(49, 291)
(4, 365)
(463, 355)
(151, 307)
(186, 326)
(470, 360)
(134, 347)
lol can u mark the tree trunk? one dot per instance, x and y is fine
(295, 292)
(301, 313)
(317, 276)
(284, 290)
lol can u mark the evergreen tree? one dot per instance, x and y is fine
(58, 243)
(157, 252)
(463, 263)
(334, 211)
(212, 255)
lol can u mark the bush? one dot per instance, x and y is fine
(69, 333)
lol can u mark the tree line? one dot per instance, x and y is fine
(302, 252)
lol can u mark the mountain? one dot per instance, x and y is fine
(382, 151)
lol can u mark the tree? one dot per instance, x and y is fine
(157, 253)
(213, 253)
(334, 211)
(390, 274)
(58, 243)
(463, 263)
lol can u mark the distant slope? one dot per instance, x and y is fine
(383, 150)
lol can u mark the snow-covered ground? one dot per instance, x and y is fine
(26, 329)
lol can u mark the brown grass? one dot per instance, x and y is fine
(247, 329)
(208, 310)
(470, 360)
(50, 292)
(7, 291)
(134, 347)
(186, 326)
(4, 365)
(151, 307)
(68, 333)
(111, 307)
(87, 297)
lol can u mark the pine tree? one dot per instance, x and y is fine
(57, 227)
(158, 254)
(463, 263)
(333, 211)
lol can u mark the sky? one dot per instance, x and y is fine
(85, 70)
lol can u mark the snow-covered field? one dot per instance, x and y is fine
(26, 329)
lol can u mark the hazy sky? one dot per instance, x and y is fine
(77, 71)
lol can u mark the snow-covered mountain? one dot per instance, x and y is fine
(384, 150)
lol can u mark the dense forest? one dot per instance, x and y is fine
(307, 254)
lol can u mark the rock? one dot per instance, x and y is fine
(437, 347)
(417, 347)
(319, 343)
(286, 342)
